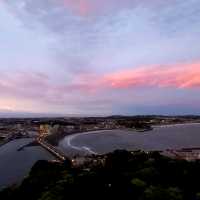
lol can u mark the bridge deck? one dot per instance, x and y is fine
(52, 149)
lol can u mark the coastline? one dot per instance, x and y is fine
(56, 138)
(68, 140)
(175, 124)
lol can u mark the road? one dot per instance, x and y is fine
(51, 149)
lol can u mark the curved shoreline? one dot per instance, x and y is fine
(68, 140)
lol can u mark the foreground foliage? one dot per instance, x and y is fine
(120, 175)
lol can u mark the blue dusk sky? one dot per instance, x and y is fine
(100, 57)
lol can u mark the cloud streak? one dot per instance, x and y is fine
(175, 76)
(38, 85)
(95, 91)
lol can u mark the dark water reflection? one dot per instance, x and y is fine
(14, 164)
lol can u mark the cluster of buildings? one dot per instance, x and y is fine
(184, 153)
(49, 129)
(77, 126)
(16, 128)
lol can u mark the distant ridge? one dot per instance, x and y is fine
(21, 114)
(13, 114)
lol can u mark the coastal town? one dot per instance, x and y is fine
(47, 132)
(11, 128)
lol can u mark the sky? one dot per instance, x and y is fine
(100, 57)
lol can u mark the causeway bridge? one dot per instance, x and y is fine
(58, 154)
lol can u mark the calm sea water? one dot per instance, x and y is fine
(14, 164)
(161, 138)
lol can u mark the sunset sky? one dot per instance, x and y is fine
(102, 57)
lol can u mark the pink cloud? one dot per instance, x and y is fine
(39, 87)
(175, 76)
(81, 7)
(87, 7)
